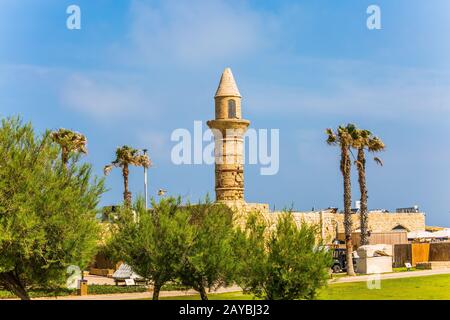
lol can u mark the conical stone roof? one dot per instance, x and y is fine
(227, 86)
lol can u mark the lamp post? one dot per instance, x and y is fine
(145, 182)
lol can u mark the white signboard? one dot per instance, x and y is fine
(129, 282)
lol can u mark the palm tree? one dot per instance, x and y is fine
(70, 141)
(126, 156)
(365, 140)
(343, 138)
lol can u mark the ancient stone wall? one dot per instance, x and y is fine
(331, 223)
(387, 221)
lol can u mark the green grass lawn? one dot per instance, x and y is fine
(415, 288)
(404, 269)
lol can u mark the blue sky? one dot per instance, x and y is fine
(137, 70)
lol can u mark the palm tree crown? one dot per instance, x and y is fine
(365, 140)
(70, 141)
(126, 156)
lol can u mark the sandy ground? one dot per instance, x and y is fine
(139, 295)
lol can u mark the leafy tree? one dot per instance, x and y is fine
(70, 142)
(286, 263)
(126, 157)
(209, 260)
(47, 212)
(364, 140)
(153, 242)
(343, 138)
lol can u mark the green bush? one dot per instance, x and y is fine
(47, 210)
(154, 241)
(283, 264)
(209, 260)
(170, 243)
(108, 289)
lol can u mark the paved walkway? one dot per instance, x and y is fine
(394, 275)
(139, 295)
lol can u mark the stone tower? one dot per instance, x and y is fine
(228, 128)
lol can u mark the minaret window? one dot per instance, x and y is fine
(231, 109)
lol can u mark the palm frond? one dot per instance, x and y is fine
(378, 161)
(69, 140)
(331, 137)
(107, 169)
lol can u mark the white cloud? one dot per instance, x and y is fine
(100, 98)
(158, 143)
(195, 32)
(402, 93)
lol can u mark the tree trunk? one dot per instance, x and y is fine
(156, 290)
(13, 284)
(345, 168)
(65, 157)
(203, 294)
(363, 190)
(126, 193)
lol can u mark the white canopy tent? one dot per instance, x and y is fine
(442, 233)
(420, 235)
(429, 235)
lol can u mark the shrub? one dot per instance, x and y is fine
(282, 264)
(47, 211)
(153, 242)
(209, 260)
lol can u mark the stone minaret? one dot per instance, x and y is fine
(229, 129)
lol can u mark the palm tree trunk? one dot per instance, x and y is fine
(65, 158)
(363, 190)
(345, 168)
(126, 193)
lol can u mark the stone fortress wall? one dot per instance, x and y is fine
(331, 222)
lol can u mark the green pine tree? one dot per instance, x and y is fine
(47, 212)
